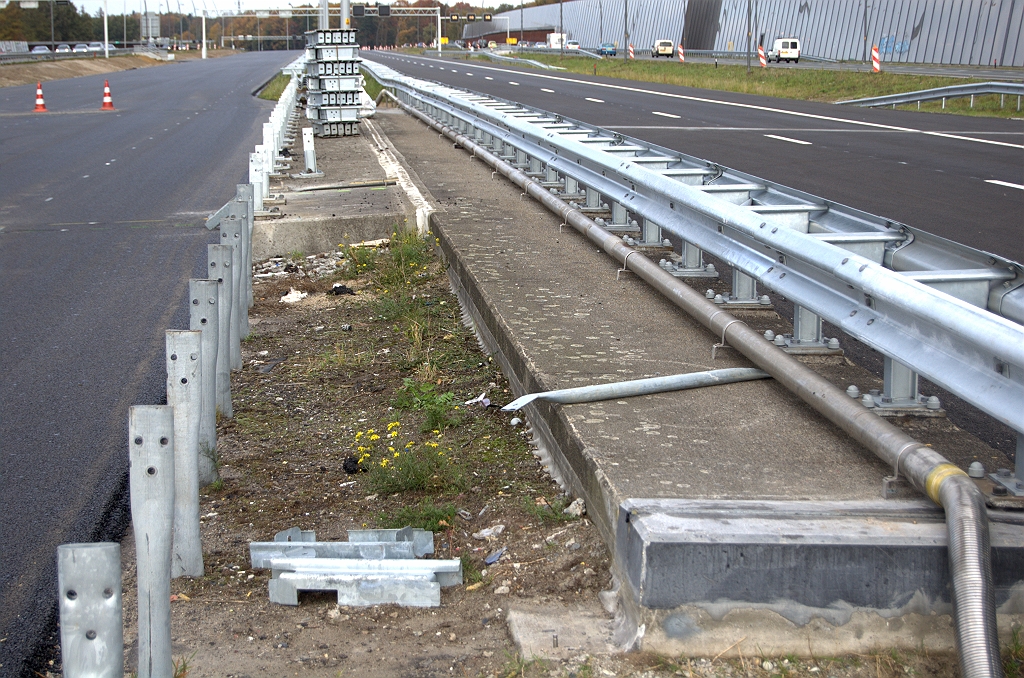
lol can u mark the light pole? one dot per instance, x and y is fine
(561, 29)
(520, 25)
(106, 36)
(625, 30)
(748, 37)
(865, 56)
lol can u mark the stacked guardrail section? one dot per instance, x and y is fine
(333, 82)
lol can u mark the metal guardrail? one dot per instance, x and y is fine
(28, 57)
(515, 60)
(929, 305)
(951, 92)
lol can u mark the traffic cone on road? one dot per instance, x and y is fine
(40, 104)
(108, 103)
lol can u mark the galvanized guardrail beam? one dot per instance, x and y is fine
(943, 93)
(779, 237)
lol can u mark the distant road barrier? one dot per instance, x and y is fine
(951, 92)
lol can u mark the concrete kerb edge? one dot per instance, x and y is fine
(570, 463)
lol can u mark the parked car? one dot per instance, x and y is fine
(785, 48)
(81, 48)
(95, 46)
(40, 49)
(63, 49)
(664, 48)
(607, 49)
(572, 44)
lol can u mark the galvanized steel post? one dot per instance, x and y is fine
(185, 395)
(203, 316)
(231, 236)
(89, 589)
(219, 261)
(151, 450)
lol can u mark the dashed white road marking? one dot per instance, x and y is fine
(792, 141)
(487, 77)
(511, 82)
(666, 115)
(596, 101)
(549, 91)
(1004, 183)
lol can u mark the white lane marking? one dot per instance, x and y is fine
(1004, 183)
(513, 83)
(768, 109)
(792, 141)
(549, 91)
(666, 115)
(487, 77)
(48, 200)
(596, 101)
(469, 74)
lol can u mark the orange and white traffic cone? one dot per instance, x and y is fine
(876, 60)
(108, 103)
(40, 104)
(761, 57)
(631, 55)
(680, 50)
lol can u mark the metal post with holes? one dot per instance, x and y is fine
(91, 631)
(185, 395)
(309, 154)
(151, 476)
(256, 179)
(231, 236)
(203, 316)
(219, 268)
(243, 194)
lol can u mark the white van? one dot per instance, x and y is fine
(785, 48)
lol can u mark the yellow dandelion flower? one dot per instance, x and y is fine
(375, 437)
(396, 455)
(394, 424)
(391, 449)
(431, 443)
(409, 444)
(359, 434)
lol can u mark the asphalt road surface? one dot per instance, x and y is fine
(934, 172)
(101, 226)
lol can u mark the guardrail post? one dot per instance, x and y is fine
(744, 288)
(219, 261)
(651, 235)
(256, 179)
(806, 326)
(593, 199)
(231, 236)
(550, 175)
(89, 589)
(572, 187)
(619, 216)
(203, 316)
(244, 193)
(899, 385)
(308, 152)
(185, 395)
(151, 450)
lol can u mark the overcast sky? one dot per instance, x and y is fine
(118, 6)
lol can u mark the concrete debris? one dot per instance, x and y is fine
(576, 509)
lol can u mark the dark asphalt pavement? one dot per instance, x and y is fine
(926, 170)
(101, 226)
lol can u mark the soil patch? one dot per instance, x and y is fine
(26, 74)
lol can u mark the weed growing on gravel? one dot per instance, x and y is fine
(426, 515)
(438, 408)
(470, 572)
(403, 466)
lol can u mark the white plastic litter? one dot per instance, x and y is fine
(366, 106)
(293, 296)
(490, 532)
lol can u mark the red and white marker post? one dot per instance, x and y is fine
(679, 49)
(761, 57)
(876, 60)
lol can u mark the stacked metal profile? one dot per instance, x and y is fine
(333, 82)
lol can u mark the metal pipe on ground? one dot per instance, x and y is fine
(638, 387)
(927, 470)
